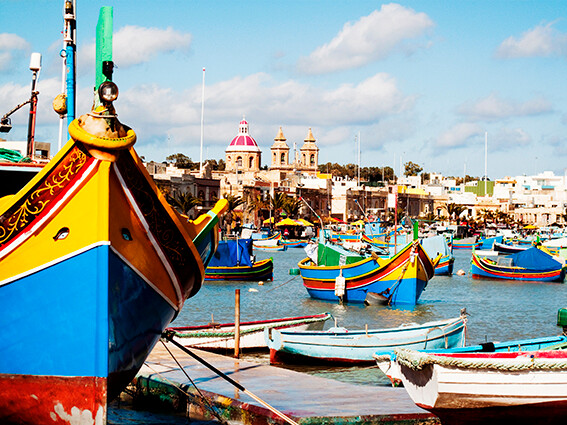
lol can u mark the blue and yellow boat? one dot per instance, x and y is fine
(94, 264)
(338, 274)
(234, 260)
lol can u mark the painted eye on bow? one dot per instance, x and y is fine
(126, 234)
(61, 234)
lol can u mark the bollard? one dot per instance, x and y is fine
(237, 323)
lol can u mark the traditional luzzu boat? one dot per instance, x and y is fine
(233, 260)
(340, 345)
(337, 274)
(533, 264)
(94, 265)
(466, 243)
(508, 387)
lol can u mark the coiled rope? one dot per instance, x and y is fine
(417, 361)
(9, 155)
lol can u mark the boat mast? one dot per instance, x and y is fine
(485, 160)
(35, 67)
(70, 39)
(104, 65)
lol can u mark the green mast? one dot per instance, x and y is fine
(103, 48)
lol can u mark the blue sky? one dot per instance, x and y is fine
(420, 80)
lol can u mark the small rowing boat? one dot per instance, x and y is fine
(340, 345)
(220, 337)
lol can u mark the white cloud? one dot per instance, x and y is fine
(493, 107)
(371, 38)
(8, 44)
(459, 135)
(134, 45)
(506, 139)
(541, 41)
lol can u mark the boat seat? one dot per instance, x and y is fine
(505, 261)
(488, 347)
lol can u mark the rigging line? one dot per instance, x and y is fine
(285, 283)
(188, 395)
(209, 406)
(169, 337)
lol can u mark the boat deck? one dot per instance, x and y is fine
(305, 398)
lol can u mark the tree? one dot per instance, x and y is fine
(256, 204)
(412, 169)
(183, 202)
(292, 207)
(454, 211)
(233, 203)
(180, 160)
(277, 203)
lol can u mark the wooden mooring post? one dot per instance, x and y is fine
(237, 323)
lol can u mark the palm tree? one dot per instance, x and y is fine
(233, 203)
(256, 204)
(454, 211)
(183, 202)
(292, 207)
(277, 203)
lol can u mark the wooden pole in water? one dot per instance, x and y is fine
(237, 323)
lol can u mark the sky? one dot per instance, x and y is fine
(430, 82)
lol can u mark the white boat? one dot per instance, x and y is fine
(220, 337)
(499, 386)
(387, 364)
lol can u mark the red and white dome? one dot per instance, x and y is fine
(243, 142)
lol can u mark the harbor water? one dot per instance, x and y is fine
(498, 310)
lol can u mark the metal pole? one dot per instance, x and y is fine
(237, 322)
(202, 125)
(31, 121)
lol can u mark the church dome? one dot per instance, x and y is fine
(243, 142)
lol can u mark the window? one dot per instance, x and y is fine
(282, 160)
(239, 161)
(251, 162)
(201, 195)
(312, 160)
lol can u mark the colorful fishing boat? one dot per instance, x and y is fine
(387, 361)
(339, 345)
(294, 243)
(509, 249)
(508, 387)
(94, 265)
(533, 264)
(437, 245)
(233, 260)
(336, 274)
(220, 336)
(466, 243)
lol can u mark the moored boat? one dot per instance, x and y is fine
(293, 243)
(233, 260)
(94, 265)
(387, 361)
(466, 243)
(398, 280)
(508, 249)
(533, 264)
(522, 386)
(220, 336)
(438, 245)
(340, 345)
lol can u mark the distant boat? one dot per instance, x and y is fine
(220, 337)
(387, 364)
(466, 243)
(293, 243)
(532, 264)
(340, 345)
(506, 387)
(339, 274)
(234, 260)
(509, 249)
(437, 245)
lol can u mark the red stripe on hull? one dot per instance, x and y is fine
(39, 400)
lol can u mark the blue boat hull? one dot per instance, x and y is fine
(91, 326)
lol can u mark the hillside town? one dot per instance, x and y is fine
(539, 200)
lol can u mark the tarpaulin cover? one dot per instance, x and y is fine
(535, 259)
(233, 253)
